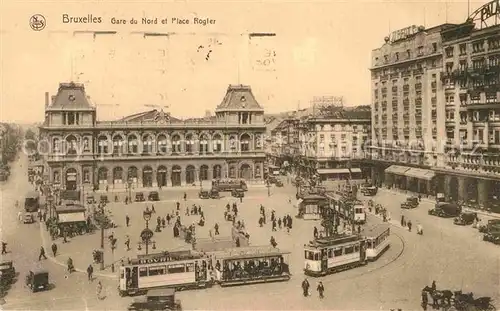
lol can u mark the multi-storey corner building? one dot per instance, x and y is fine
(435, 109)
(151, 149)
(333, 146)
(285, 144)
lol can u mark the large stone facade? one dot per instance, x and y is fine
(151, 149)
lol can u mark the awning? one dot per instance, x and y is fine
(397, 169)
(420, 173)
(338, 170)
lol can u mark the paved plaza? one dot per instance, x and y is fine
(452, 255)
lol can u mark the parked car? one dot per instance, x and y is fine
(37, 280)
(153, 196)
(157, 299)
(493, 237)
(410, 203)
(237, 193)
(214, 194)
(444, 209)
(204, 194)
(139, 197)
(465, 218)
(492, 225)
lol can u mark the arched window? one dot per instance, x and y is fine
(56, 145)
(57, 177)
(117, 144)
(232, 143)
(245, 142)
(217, 143)
(71, 144)
(204, 172)
(102, 145)
(147, 144)
(176, 144)
(86, 144)
(132, 144)
(162, 144)
(189, 143)
(86, 176)
(203, 144)
(102, 175)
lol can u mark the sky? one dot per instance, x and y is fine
(320, 49)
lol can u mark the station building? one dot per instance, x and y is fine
(151, 149)
(436, 109)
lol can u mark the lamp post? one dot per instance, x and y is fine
(113, 247)
(146, 234)
(129, 184)
(268, 185)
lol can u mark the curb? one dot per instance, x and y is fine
(57, 262)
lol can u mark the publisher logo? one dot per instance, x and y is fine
(37, 22)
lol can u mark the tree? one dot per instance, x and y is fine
(30, 135)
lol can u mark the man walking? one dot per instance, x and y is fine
(54, 249)
(127, 220)
(305, 287)
(321, 290)
(127, 243)
(42, 254)
(90, 272)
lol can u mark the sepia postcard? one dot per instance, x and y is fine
(250, 155)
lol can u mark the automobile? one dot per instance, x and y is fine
(465, 218)
(157, 299)
(139, 197)
(104, 199)
(278, 183)
(237, 193)
(214, 194)
(37, 280)
(492, 225)
(446, 210)
(7, 272)
(493, 237)
(204, 194)
(28, 218)
(411, 202)
(153, 196)
(90, 199)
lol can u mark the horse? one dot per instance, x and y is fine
(439, 297)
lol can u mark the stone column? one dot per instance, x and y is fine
(183, 176)
(428, 185)
(462, 188)
(374, 175)
(483, 188)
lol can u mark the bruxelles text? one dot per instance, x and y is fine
(109, 148)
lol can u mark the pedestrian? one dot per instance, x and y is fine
(359, 229)
(187, 211)
(216, 228)
(305, 287)
(178, 205)
(402, 220)
(168, 219)
(274, 225)
(315, 232)
(54, 249)
(127, 243)
(4, 248)
(433, 286)
(185, 196)
(163, 223)
(127, 220)
(409, 225)
(284, 221)
(153, 209)
(241, 199)
(42, 254)
(279, 222)
(44, 216)
(90, 272)
(99, 291)
(321, 290)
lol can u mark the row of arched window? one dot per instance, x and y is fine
(147, 144)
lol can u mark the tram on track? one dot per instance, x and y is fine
(342, 252)
(190, 269)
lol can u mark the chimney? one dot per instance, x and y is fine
(53, 99)
(46, 99)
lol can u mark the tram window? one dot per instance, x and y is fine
(359, 210)
(356, 248)
(369, 244)
(330, 253)
(349, 250)
(157, 270)
(189, 267)
(309, 255)
(316, 256)
(179, 268)
(337, 252)
(143, 271)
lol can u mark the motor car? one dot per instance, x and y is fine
(279, 183)
(493, 237)
(104, 199)
(237, 193)
(446, 210)
(28, 218)
(204, 194)
(492, 225)
(153, 196)
(411, 202)
(157, 299)
(37, 280)
(465, 218)
(7, 272)
(139, 197)
(214, 194)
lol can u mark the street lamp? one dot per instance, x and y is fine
(146, 234)
(268, 185)
(129, 183)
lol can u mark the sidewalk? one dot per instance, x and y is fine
(431, 199)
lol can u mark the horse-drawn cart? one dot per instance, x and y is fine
(448, 300)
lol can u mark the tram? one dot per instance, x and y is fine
(377, 241)
(179, 270)
(348, 208)
(249, 265)
(342, 252)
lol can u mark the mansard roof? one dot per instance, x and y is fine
(70, 96)
(239, 97)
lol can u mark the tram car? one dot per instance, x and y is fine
(377, 241)
(342, 252)
(356, 209)
(250, 265)
(180, 270)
